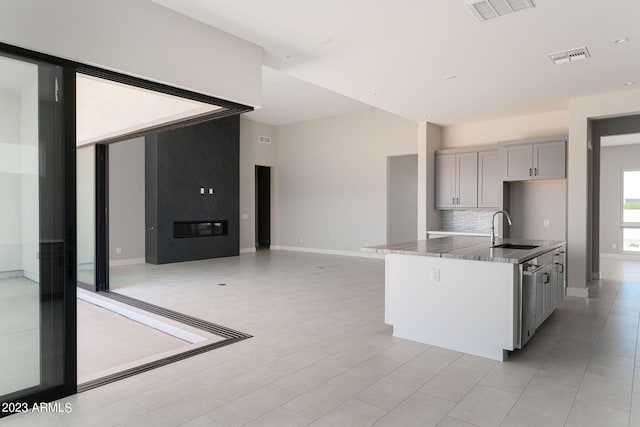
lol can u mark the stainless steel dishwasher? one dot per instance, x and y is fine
(534, 279)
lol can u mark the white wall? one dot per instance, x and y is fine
(127, 200)
(10, 214)
(532, 202)
(578, 176)
(402, 198)
(19, 216)
(85, 196)
(30, 199)
(139, 38)
(504, 129)
(613, 160)
(332, 179)
(254, 153)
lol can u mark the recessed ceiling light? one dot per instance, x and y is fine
(327, 41)
(289, 57)
(629, 83)
(449, 77)
(377, 93)
(621, 40)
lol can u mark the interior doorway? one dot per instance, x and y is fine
(615, 224)
(263, 207)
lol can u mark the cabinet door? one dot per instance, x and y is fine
(445, 180)
(467, 173)
(549, 160)
(488, 179)
(517, 163)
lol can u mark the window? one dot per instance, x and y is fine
(631, 211)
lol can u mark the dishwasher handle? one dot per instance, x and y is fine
(534, 271)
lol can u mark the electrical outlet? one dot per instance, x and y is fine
(301, 240)
(614, 246)
(245, 216)
(435, 274)
(545, 222)
(119, 251)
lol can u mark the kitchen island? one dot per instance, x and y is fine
(459, 293)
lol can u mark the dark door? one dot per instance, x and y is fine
(37, 242)
(263, 207)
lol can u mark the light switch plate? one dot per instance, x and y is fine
(435, 274)
(201, 190)
(211, 191)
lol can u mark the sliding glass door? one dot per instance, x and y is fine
(37, 222)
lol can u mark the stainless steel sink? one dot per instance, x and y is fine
(515, 246)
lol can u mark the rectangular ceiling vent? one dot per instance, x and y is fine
(264, 139)
(489, 9)
(571, 55)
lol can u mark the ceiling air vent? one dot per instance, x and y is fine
(489, 9)
(571, 55)
(264, 139)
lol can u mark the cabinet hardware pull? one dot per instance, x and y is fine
(535, 171)
(529, 171)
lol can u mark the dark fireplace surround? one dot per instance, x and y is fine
(192, 192)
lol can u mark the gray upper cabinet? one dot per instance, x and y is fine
(517, 163)
(533, 159)
(445, 181)
(457, 180)
(489, 179)
(549, 160)
(467, 185)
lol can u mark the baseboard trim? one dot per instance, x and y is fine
(328, 251)
(129, 261)
(87, 266)
(12, 274)
(34, 277)
(247, 250)
(577, 292)
(630, 257)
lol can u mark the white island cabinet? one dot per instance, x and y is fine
(456, 292)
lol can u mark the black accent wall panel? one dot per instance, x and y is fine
(179, 163)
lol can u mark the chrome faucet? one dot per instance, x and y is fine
(493, 220)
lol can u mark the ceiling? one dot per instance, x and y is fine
(287, 99)
(395, 55)
(107, 109)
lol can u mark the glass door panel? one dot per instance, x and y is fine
(19, 227)
(35, 323)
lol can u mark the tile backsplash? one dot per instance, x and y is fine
(471, 221)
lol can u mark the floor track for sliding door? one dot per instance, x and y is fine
(230, 336)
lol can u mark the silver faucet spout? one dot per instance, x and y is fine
(493, 220)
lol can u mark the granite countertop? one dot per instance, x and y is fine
(470, 248)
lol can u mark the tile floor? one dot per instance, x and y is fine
(321, 355)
